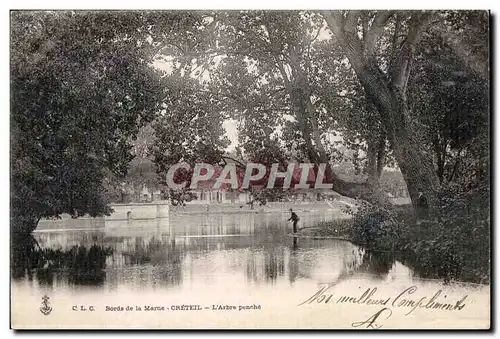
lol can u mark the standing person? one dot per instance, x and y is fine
(295, 220)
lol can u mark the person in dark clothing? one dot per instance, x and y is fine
(295, 220)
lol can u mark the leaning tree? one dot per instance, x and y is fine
(380, 47)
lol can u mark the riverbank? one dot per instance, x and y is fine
(335, 229)
(433, 250)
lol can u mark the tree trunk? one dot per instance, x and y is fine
(371, 162)
(388, 96)
(306, 117)
(375, 164)
(346, 188)
(416, 165)
(381, 155)
(440, 154)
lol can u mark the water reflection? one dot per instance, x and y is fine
(251, 249)
(79, 265)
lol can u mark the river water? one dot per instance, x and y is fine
(244, 259)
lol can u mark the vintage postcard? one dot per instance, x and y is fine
(256, 169)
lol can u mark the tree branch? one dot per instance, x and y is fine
(236, 161)
(415, 26)
(364, 25)
(316, 36)
(349, 41)
(334, 21)
(350, 21)
(394, 49)
(376, 29)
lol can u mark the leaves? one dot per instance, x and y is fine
(81, 88)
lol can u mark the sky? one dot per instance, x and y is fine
(232, 133)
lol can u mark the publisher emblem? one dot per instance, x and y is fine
(45, 309)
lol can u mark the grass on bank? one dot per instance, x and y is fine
(335, 228)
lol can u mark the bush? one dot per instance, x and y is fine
(377, 227)
(454, 245)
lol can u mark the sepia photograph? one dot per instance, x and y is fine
(250, 169)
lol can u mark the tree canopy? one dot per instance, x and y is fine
(406, 89)
(81, 88)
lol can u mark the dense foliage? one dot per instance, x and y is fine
(453, 246)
